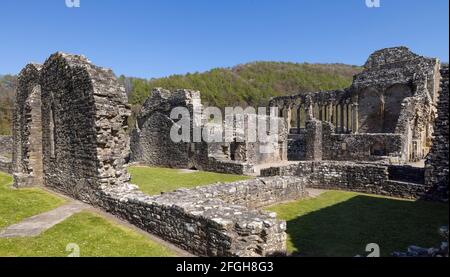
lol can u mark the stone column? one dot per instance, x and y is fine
(355, 115)
(309, 110)
(313, 140)
(342, 129)
(349, 114)
(287, 117)
(330, 113)
(299, 110)
(320, 112)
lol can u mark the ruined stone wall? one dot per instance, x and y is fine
(297, 146)
(394, 94)
(437, 164)
(359, 147)
(6, 145)
(5, 165)
(27, 129)
(349, 176)
(81, 126)
(397, 91)
(313, 140)
(150, 141)
(217, 220)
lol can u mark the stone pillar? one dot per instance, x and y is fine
(309, 110)
(313, 140)
(330, 113)
(287, 117)
(342, 118)
(349, 114)
(355, 123)
(299, 110)
(320, 112)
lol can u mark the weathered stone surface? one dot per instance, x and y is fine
(75, 141)
(151, 143)
(388, 111)
(349, 176)
(437, 164)
(6, 146)
(217, 220)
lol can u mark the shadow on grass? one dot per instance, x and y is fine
(344, 229)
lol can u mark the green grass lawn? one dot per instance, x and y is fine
(343, 223)
(95, 236)
(153, 181)
(16, 205)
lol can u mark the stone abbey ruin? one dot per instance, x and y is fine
(70, 134)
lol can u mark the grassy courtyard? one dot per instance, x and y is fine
(16, 205)
(95, 235)
(153, 181)
(343, 223)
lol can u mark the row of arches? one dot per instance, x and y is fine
(344, 116)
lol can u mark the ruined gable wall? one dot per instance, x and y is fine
(396, 92)
(25, 137)
(84, 117)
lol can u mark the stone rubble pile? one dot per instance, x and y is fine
(438, 251)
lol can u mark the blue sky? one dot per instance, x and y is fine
(154, 38)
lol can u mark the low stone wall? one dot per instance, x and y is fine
(217, 220)
(361, 147)
(228, 167)
(6, 145)
(364, 178)
(5, 165)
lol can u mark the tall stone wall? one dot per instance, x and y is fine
(80, 125)
(27, 129)
(437, 164)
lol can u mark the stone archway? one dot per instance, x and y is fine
(27, 129)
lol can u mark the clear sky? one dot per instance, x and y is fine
(154, 38)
